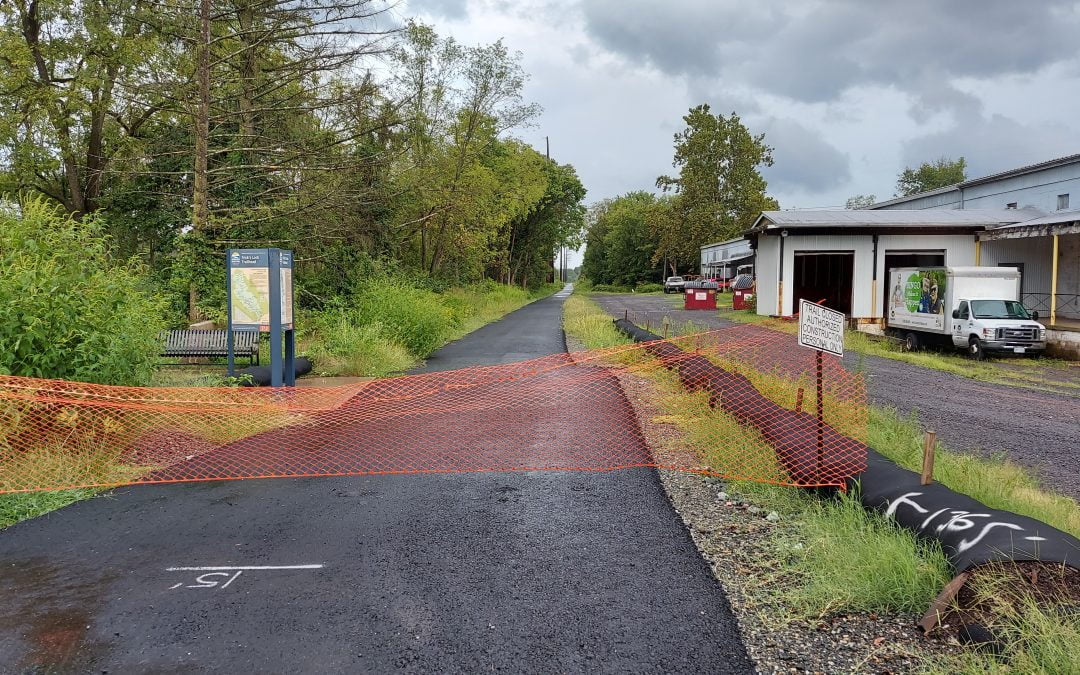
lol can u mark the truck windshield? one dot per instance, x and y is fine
(998, 309)
(675, 279)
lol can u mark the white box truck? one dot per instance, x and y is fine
(976, 309)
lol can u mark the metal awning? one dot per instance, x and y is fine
(1066, 222)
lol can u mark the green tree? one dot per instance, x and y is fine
(72, 100)
(719, 190)
(458, 100)
(940, 173)
(860, 202)
(621, 242)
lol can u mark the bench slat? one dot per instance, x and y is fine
(206, 343)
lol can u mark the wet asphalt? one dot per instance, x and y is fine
(512, 572)
(1037, 429)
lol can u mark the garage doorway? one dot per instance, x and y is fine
(825, 277)
(894, 259)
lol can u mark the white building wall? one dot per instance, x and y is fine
(766, 273)
(959, 250)
(862, 245)
(866, 301)
(1035, 255)
(945, 200)
(1038, 190)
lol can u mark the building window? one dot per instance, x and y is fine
(1063, 202)
(1011, 205)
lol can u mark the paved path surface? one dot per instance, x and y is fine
(519, 572)
(1040, 430)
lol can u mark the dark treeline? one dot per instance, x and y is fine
(186, 127)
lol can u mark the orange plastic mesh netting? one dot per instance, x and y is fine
(745, 398)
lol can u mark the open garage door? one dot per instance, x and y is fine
(825, 277)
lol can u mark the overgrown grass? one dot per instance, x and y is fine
(1036, 638)
(391, 323)
(61, 466)
(587, 323)
(994, 481)
(19, 506)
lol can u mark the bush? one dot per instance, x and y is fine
(649, 288)
(610, 288)
(414, 317)
(67, 310)
(342, 345)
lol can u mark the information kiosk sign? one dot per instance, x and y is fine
(260, 298)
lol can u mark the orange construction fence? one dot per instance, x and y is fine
(745, 400)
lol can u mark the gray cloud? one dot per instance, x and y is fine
(813, 52)
(992, 144)
(802, 161)
(447, 9)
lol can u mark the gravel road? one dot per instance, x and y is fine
(1039, 430)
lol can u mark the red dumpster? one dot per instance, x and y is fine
(699, 295)
(742, 291)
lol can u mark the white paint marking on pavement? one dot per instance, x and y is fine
(243, 567)
(230, 573)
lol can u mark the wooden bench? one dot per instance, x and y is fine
(207, 343)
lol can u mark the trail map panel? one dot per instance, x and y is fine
(249, 297)
(821, 328)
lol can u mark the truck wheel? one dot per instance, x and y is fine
(975, 349)
(911, 342)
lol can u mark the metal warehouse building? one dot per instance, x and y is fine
(1024, 218)
(842, 258)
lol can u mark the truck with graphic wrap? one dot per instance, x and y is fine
(976, 309)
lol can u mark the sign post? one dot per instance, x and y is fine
(822, 330)
(260, 298)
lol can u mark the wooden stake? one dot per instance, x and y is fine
(928, 458)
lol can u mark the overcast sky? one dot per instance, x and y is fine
(848, 92)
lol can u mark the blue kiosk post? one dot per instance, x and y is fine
(259, 286)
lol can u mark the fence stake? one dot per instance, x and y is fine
(820, 420)
(928, 458)
(798, 400)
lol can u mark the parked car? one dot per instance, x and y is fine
(674, 285)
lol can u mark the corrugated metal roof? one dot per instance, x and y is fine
(855, 218)
(1052, 219)
(929, 193)
(1030, 168)
(1019, 171)
(726, 241)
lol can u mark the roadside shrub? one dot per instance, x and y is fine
(412, 316)
(649, 288)
(342, 345)
(610, 288)
(67, 310)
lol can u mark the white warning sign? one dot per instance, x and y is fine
(821, 328)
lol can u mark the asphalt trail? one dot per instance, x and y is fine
(520, 572)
